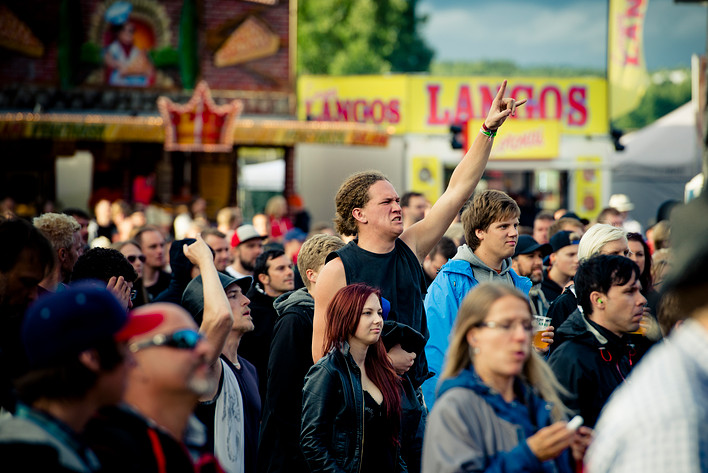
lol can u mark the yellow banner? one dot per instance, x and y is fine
(588, 187)
(626, 68)
(430, 104)
(577, 104)
(376, 100)
(426, 177)
(523, 139)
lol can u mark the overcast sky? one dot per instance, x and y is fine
(557, 32)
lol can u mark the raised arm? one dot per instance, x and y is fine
(331, 279)
(218, 317)
(423, 236)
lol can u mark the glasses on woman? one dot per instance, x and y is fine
(132, 258)
(181, 340)
(509, 327)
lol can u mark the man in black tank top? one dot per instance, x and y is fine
(386, 256)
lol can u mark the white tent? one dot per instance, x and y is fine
(657, 162)
(267, 176)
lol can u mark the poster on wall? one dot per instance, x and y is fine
(130, 45)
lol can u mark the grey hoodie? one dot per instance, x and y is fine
(482, 272)
(298, 297)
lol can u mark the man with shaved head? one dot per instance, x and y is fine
(154, 429)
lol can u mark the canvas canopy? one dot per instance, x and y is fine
(657, 162)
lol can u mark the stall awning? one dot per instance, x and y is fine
(114, 128)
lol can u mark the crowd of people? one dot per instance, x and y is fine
(404, 337)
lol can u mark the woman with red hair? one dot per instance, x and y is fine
(351, 400)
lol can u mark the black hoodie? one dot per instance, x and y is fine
(590, 362)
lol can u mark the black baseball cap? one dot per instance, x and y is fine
(527, 244)
(561, 240)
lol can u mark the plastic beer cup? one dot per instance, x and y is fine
(541, 323)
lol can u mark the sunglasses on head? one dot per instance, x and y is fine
(132, 258)
(182, 340)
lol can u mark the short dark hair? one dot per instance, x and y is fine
(18, 234)
(263, 263)
(445, 247)
(601, 272)
(213, 232)
(405, 198)
(103, 264)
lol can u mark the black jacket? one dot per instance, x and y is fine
(590, 362)
(290, 360)
(255, 345)
(332, 436)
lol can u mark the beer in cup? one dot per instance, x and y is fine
(541, 324)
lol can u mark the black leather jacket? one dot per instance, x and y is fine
(332, 435)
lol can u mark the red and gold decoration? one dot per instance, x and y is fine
(127, 129)
(200, 124)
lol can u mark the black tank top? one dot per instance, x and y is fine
(400, 277)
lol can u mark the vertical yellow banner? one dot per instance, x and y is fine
(426, 177)
(588, 187)
(626, 68)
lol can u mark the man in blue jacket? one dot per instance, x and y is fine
(490, 224)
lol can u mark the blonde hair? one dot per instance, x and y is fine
(598, 236)
(276, 204)
(58, 228)
(313, 253)
(474, 309)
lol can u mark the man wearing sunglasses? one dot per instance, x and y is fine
(154, 430)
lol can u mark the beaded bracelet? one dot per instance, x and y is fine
(487, 131)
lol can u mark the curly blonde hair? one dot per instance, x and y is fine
(58, 228)
(353, 194)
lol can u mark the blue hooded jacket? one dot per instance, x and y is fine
(472, 428)
(455, 280)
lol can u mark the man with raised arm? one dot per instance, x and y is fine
(386, 256)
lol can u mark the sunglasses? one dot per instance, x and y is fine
(181, 340)
(132, 258)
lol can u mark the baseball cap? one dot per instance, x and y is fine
(561, 240)
(526, 244)
(295, 234)
(245, 233)
(577, 217)
(621, 202)
(65, 323)
(193, 295)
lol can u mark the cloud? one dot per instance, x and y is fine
(524, 32)
(556, 32)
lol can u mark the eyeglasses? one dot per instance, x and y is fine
(508, 327)
(182, 340)
(132, 258)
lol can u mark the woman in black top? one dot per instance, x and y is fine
(351, 399)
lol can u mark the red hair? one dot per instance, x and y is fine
(343, 315)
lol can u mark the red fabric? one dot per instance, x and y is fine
(279, 227)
